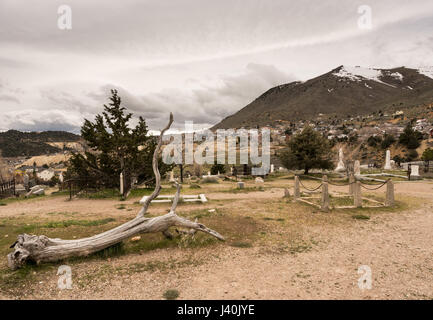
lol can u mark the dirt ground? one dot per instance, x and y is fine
(275, 249)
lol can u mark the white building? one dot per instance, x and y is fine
(46, 175)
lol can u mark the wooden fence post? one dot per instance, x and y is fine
(296, 193)
(325, 194)
(357, 197)
(351, 184)
(389, 202)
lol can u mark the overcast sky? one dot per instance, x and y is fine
(201, 59)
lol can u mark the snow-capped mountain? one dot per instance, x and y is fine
(343, 91)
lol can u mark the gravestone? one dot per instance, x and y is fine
(241, 185)
(61, 178)
(387, 161)
(340, 165)
(272, 168)
(26, 181)
(171, 176)
(259, 180)
(414, 174)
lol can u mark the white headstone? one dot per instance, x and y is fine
(272, 168)
(340, 165)
(259, 180)
(357, 168)
(208, 173)
(61, 179)
(171, 176)
(414, 173)
(387, 160)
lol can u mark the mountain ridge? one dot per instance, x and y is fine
(14, 143)
(342, 91)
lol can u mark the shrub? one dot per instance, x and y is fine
(373, 141)
(427, 155)
(411, 155)
(209, 180)
(410, 138)
(171, 294)
(217, 168)
(387, 141)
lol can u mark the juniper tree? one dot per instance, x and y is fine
(307, 150)
(113, 148)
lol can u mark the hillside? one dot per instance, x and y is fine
(342, 92)
(15, 143)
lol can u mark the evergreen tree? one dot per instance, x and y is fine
(307, 150)
(114, 148)
(410, 138)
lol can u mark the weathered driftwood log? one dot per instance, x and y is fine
(43, 249)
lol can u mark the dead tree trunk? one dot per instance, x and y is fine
(43, 249)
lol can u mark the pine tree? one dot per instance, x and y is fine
(114, 148)
(307, 150)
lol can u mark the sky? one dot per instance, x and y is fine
(200, 59)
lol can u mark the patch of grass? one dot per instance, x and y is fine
(83, 223)
(299, 248)
(140, 192)
(360, 217)
(62, 213)
(101, 194)
(2, 204)
(60, 193)
(244, 190)
(194, 186)
(209, 180)
(272, 219)
(19, 199)
(112, 251)
(241, 244)
(120, 207)
(171, 294)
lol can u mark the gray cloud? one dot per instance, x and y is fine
(205, 105)
(6, 97)
(203, 60)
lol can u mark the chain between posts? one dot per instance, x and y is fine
(380, 185)
(311, 190)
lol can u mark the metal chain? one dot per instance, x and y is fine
(380, 186)
(308, 188)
